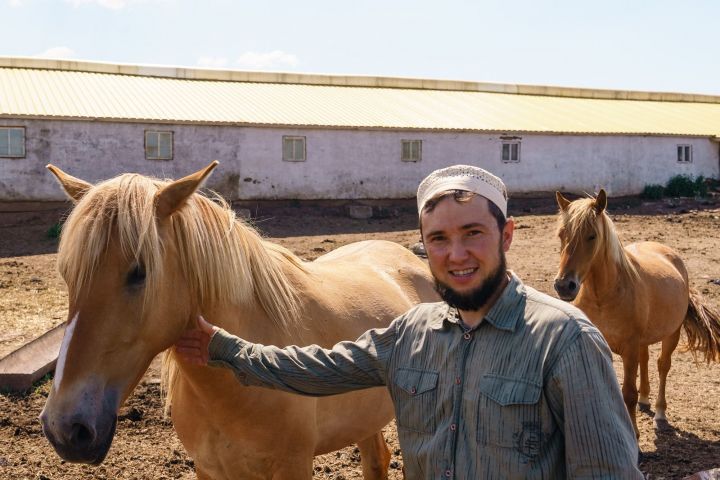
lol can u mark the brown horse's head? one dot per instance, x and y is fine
(583, 231)
(131, 294)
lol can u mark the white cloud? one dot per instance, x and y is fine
(57, 52)
(212, 62)
(17, 3)
(268, 60)
(110, 4)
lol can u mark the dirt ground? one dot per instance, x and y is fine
(33, 299)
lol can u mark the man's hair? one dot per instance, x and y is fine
(462, 196)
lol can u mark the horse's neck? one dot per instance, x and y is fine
(606, 277)
(250, 321)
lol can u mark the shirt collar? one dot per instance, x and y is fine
(504, 314)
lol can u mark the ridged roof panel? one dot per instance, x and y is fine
(72, 94)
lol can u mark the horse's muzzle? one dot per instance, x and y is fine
(567, 288)
(82, 434)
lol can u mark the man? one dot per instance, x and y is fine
(496, 381)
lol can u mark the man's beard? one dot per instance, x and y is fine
(477, 298)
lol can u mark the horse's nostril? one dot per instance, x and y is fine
(81, 436)
(572, 286)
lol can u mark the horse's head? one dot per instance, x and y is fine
(582, 232)
(129, 299)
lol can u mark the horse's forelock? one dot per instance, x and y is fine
(119, 209)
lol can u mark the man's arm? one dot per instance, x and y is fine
(310, 370)
(585, 397)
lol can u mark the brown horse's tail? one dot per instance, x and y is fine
(702, 327)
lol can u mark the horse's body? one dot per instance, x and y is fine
(637, 296)
(143, 258)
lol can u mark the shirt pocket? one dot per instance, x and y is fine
(416, 397)
(511, 415)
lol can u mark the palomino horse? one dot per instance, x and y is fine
(143, 257)
(637, 296)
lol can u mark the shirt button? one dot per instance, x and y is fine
(453, 427)
(458, 381)
(448, 473)
(466, 336)
(413, 390)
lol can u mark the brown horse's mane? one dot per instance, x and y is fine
(581, 219)
(223, 258)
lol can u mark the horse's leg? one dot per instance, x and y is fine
(375, 457)
(629, 388)
(644, 399)
(664, 363)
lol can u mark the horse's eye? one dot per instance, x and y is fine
(591, 238)
(136, 277)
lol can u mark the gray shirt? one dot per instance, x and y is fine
(529, 394)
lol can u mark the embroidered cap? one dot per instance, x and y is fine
(463, 177)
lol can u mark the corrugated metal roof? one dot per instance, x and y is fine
(81, 90)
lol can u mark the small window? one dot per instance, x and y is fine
(684, 153)
(510, 152)
(158, 145)
(294, 149)
(411, 150)
(12, 142)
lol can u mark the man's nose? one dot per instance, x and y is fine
(458, 251)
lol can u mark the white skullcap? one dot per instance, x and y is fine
(463, 177)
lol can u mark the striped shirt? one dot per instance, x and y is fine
(529, 394)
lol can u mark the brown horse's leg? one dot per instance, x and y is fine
(644, 399)
(375, 457)
(664, 363)
(629, 387)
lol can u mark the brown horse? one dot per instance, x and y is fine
(142, 258)
(637, 296)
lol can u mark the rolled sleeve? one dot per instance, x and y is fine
(310, 370)
(585, 397)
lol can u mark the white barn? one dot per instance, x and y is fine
(296, 136)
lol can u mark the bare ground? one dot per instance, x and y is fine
(33, 299)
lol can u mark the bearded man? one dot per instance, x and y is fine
(496, 381)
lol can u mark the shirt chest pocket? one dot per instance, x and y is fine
(511, 414)
(415, 398)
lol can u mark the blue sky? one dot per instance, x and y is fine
(630, 45)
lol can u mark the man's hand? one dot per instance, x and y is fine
(193, 345)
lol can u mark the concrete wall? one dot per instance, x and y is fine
(342, 164)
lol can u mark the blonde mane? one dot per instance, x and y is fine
(223, 259)
(581, 219)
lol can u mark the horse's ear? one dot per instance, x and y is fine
(562, 201)
(74, 187)
(173, 196)
(601, 201)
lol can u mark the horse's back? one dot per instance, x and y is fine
(658, 260)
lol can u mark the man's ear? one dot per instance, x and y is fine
(74, 187)
(173, 196)
(507, 233)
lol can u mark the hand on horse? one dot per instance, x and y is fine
(193, 345)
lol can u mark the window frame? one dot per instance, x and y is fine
(687, 153)
(510, 144)
(418, 143)
(9, 128)
(159, 134)
(294, 139)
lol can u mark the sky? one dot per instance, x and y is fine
(649, 45)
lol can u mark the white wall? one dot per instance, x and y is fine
(342, 163)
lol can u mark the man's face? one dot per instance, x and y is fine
(465, 250)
